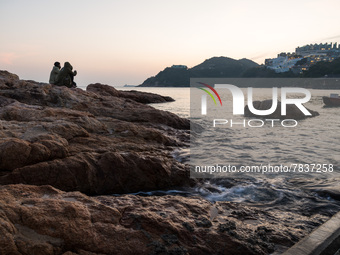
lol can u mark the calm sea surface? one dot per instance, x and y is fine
(314, 141)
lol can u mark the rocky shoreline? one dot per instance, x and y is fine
(97, 141)
(64, 151)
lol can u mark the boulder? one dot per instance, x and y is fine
(14, 153)
(45, 220)
(105, 103)
(102, 90)
(95, 141)
(145, 97)
(137, 96)
(95, 173)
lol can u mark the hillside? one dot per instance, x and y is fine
(169, 77)
(320, 69)
(224, 67)
(213, 67)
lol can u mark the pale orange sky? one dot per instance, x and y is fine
(124, 42)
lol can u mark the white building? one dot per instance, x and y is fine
(281, 64)
(179, 66)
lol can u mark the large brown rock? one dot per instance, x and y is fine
(14, 153)
(105, 103)
(44, 220)
(96, 142)
(141, 97)
(107, 173)
(8, 77)
(103, 90)
(145, 97)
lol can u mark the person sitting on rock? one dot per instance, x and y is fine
(66, 76)
(54, 73)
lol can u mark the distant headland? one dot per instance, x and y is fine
(309, 61)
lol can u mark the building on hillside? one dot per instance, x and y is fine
(322, 49)
(179, 66)
(303, 57)
(283, 63)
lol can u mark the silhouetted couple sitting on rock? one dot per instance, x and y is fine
(63, 77)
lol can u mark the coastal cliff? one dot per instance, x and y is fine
(64, 152)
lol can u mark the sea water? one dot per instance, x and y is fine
(314, 141)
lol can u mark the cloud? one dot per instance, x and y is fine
(7, 58)
(331, 38)
(259, 56)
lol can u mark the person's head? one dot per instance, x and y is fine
(57, 64)
(67, 65)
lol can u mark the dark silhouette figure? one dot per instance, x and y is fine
(66, 76)
(54, 73)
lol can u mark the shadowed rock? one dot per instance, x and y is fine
(141, 97)
(102, 141)
(44, 220)
(96, 141)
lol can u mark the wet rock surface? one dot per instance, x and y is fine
(44, 220)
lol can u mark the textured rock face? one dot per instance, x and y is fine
(293, 112)
(104, 141)
(44, 220)
(141, 97)
(99, 103)
(96, 142)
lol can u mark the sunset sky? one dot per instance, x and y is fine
(121, 42)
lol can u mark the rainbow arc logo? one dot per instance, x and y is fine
(209, 93)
